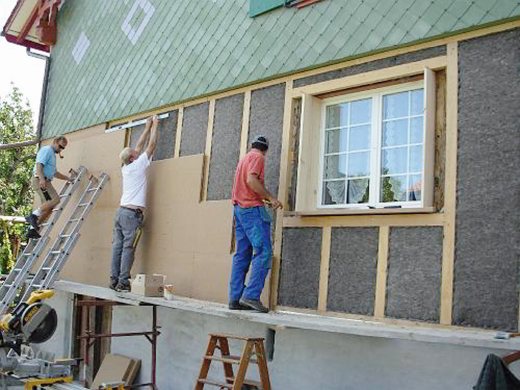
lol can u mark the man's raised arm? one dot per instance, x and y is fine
(152, 143)
(142, 139)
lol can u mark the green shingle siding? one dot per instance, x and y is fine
(191, 48)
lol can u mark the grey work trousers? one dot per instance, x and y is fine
(126, 224)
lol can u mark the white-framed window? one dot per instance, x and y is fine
(370, 149)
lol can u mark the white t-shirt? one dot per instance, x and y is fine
(135, 182)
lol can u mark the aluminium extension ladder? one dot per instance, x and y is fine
(34, 248)
(253, 346)
(67, 239)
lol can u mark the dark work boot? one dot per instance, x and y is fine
(113, 284)
(254, 304)
(33, 220)
(236, 305)
(33, 234)
(123, 287)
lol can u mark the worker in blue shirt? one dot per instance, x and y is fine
(43, 173)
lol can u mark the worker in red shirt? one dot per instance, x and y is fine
(252, 229)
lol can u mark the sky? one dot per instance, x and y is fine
(17, 67)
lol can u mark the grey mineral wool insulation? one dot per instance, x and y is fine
(487, 243)
(225, 146)
(373, 65)
(414, 273)
(194, 129)
(300, 267)
(353, 270)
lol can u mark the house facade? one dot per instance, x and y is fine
(393, 130)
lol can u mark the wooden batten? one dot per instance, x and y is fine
(207, 153)
(282, 194)
(450, 195)
(324, 269)
(245, 124)
(382, 270)
(178, 134)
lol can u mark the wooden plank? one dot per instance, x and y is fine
(282, 194)
(178, 135)
(207, 153)
(331, 212)
(245, 124)
(450, 195)
(430, 94)
(339, 323)
(436, 219)
(324, 269)
(382, 266)
(376, 76)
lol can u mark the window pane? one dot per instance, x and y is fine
(395, 132)
(336, 141)
(334, 166)
(359, 164)
(358, 191)
(361, 111)
(394, 161)
(416, 130)
(414, 187)
(417, 102)
(416, 159)
(360, 137)
(393, 189)
(395, 105)
(337, 115)
(333, 192)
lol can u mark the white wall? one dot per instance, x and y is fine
(303, 360)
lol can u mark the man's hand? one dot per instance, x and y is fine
(43, 183)
(275, 204)
(155, 120)
(149, 121)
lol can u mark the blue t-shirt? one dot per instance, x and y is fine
(47, 157)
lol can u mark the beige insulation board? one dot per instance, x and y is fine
(116, 368)
(187, 240)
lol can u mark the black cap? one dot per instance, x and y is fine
(261, 139)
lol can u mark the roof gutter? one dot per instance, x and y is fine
(43, 100)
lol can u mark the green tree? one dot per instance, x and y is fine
(16, 125)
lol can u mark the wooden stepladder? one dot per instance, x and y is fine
(254, 346)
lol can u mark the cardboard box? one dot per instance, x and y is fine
(148, 285)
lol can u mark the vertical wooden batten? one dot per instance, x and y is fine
(282, 193)
(324, 269)
(207, 152)
(245, 124)
(450, 195)
(382, 272)
(178, 134)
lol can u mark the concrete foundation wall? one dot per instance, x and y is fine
(488, 185)
(303, 360)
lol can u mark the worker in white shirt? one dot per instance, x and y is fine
(130, 215)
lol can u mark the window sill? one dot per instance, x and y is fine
(326, 212)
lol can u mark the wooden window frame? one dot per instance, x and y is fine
(311, 135)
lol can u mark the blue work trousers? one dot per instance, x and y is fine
(126, 225)
(253, 247)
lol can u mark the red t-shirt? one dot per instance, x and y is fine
(242, 194)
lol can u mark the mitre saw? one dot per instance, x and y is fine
(31, 322)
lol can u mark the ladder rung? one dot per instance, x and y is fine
(47, 224)
(64, 195)
(83, 204)
(75, 219)
(57, 208)
(46, 268)
(65, 235)
(247, 382)
(214, 383)
(233, 337)
(36, 286)
(228, 359)
(17, 269)
(93, 189)
(56, 252)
